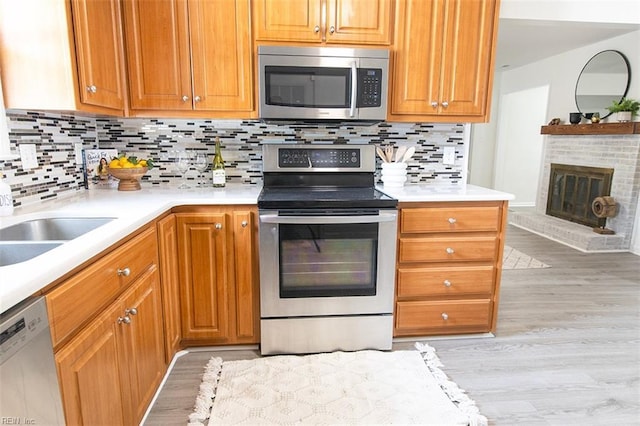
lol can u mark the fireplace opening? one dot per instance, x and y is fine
(572, 189)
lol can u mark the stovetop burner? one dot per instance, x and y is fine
(296, 198)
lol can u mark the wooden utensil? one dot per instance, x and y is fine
(407, 155)
(389, 153)
(381, 154)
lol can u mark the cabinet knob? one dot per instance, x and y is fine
(452, 220)
(332, 29)
(185, 98)
(447, 283)
(124, 272)
(445, 104)
(434, 104)
(450, 250)
(218, 226)
(124, 320)
(197, 99)
(132, 311)
(244, 223)
(445, 316)
(92, 89)
(316, 29)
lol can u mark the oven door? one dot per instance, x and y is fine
(327, 265)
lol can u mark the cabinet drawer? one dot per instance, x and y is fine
(424, 316)
(435, 249)
(448, 219)
(82, 296)
(450, 281)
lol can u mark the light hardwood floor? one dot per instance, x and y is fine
(566, 350)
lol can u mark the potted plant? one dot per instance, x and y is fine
(625, 109)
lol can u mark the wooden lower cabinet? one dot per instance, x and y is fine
(107, 328)
(170, 279)
(111, 369)
(218, 267)
(449, 267)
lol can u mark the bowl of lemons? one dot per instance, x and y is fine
(129, 170)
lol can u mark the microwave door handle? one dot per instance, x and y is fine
(354, 89)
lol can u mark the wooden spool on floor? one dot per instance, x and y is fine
(604, 207)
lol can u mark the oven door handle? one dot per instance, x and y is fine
(292, 220)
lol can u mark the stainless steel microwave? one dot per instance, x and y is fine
(322, 83)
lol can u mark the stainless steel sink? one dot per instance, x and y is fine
(17, 252)
(52, 228)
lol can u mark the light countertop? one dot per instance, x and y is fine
(136, 208)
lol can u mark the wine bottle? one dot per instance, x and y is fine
(219, 176)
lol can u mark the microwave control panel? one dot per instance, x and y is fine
(369, 87)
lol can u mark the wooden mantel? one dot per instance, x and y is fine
(629, 128)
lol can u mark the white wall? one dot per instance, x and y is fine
(561, 72)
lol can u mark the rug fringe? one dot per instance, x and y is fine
(207, 393)
(455, 394)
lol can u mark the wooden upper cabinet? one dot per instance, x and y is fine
(62, 55)
(324, 21)
(359, 21)
(221, 55)
(444, 57)
(158, 54)
(189, 55)
(98, 37)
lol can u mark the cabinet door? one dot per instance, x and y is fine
(90, 374)
(170, 283)
(246, 280)
(359, 22)
(467, 57)
(144, 338)
(444, 58)
(416, 71)
(288, 20)
(221, 55)
(98, 37)
(204, 281)
(159, 64)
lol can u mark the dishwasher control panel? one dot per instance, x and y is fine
(21, 324)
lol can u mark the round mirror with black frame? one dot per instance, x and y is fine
(604, 79)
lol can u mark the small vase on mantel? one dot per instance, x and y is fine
(623, 116)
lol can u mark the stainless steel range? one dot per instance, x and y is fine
(327, 250)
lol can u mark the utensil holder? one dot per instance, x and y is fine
(394, 174)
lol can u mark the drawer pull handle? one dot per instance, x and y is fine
(447, 283)
(124, 320)
(452, 220)
(244, 223)
(132, 311)
(450, 250)
(124, 272)
(445, 316)
(218, 226)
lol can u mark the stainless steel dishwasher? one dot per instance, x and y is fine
(30, 393)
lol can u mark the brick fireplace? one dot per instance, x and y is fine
(621, 154)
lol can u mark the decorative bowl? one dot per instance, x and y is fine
(129, 178)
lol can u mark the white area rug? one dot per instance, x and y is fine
(355, 388)
(514, 259)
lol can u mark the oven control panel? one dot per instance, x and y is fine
(349, 158)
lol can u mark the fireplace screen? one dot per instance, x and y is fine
(572, 189)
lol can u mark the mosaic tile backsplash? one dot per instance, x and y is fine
(56, 137)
